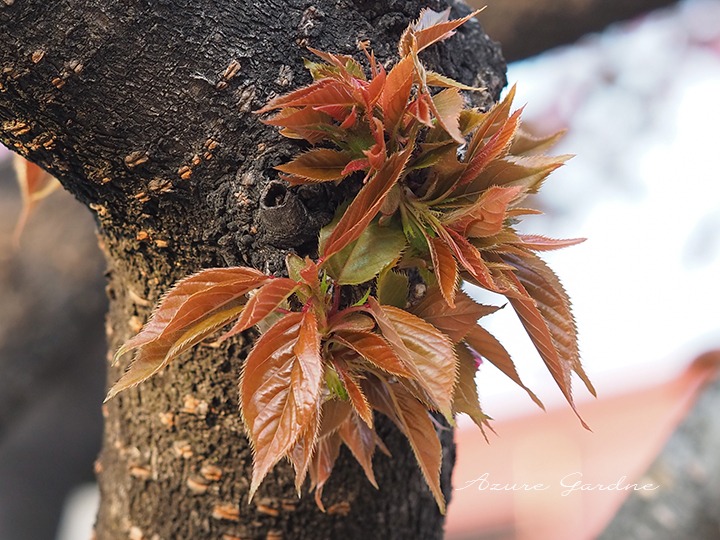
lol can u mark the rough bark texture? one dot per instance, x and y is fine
(143, 110)
(687, 473)
(528, 27)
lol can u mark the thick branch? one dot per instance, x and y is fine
(528, 27)
(144, 111)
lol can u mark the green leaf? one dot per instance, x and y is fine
(364, 258)
(392, 288)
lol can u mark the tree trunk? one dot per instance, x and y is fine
(143, 110)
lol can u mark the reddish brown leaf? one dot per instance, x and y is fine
(154, 356)
(486, 216)
(525, 144)
(469, 257)
(510, 171)
(286, 99)
(433, 78)
(377, 154)
(431, 27)
(375, 89)
(306, 117)
(318, 165)
(487, 346)
(539, 333)
(554, 304)
(427, 353)
(267, 299)
(445, 269)
(453, 322)
(361, 440)
(396, 92)
(308, 370)
(356, 165)
(327, 92)
(279, 393)
(327, 451)
(466, 398)
(193, 309)
(357, 322)
(374, 349)
(302, 452)
(446, 107)
(334, 413)
(366, 204)
(355, 393)
(537, 242)
(492, 121)
(420, 432)
(191, 298)
(495, 147)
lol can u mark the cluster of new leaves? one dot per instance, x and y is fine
(443, 188)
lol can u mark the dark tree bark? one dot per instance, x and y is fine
(143, 110)
(528, 27)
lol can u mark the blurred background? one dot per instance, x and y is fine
(640, 103)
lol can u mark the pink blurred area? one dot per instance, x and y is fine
(555, 457)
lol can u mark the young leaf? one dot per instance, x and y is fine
(361, 440)
(375, 350)
(469, 257)
(446, 107)
(191, 298)
(526, 144)
(537, 242)
(430, 28)
(267, 299)
(494, 148)
(427, 353)
(307, 373)
(392, 288)
(327, 451)
(466, 398)
(539, 333)
(301, 454)
(354, 321)
(154, 356)
(362, 260)
(395, 94)
(352, 386)
(318, 165)
(432, 78)
(366, 204)
(453, 322)
(334, 413)
(554, 305)
(487, 346)
(286, 99)
(420, 432)
(278, 393)
(486, 216)
(445, 269)
(492, 122)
